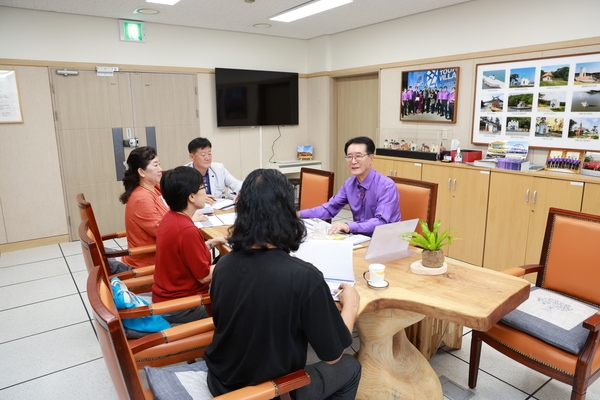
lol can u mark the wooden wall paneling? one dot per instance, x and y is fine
(31, 194)
(357, 115)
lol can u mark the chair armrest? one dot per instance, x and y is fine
(270, 389)
(164, 307)
(134, 251)
(523, 270)
(134, 284)
(115, 235)
(593, 322)
(136, 273)
(174, 334)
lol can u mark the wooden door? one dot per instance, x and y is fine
(384, 166)
(408, 169)
(507, 220)
(548, 193)
(442, 175)
(357, 115)
(591, 199)
(468, 216)
(88, 107)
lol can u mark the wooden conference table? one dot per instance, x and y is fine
(392, 368)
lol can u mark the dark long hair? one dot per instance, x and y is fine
(266, 213)
(138, 158)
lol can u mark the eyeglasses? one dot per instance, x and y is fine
(202, 187)
(358, 157)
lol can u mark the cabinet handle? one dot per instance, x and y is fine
(395, 173)
(527, 196)
(454, 185)
(534, 195)
(449, 181)
(391, 172)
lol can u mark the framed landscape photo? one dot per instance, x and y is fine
(550, 102)
(429, 95)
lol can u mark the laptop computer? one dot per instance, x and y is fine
(333, 258)
(386, 243)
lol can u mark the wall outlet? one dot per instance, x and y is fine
(128, 132)
(445, 134)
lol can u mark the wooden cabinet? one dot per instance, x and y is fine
(461, 204)
(517, 215)
(591, 198)
(410, 169)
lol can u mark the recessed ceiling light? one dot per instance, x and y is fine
(167, 2)
(146, 11)
(307, 9)
(262, 26)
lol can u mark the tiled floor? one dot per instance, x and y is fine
(48, 347)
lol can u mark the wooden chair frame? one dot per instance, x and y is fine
(431, 202)
(579, 370)
(86, 213)
(303, 195)
(178, 344)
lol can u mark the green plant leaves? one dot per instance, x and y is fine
(430, 239)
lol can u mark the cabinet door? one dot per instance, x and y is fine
(384, 166)
(469, 194)
(591, 199)
(408, 169)
(507, 221)
(442, 175)
(548, 193)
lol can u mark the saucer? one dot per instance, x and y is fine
(419, 269)
(382, 285)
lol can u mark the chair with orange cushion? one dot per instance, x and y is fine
(125, 358)
(316, 187)
(556, 331)
(418, 200)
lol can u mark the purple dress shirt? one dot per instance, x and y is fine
(373, 202)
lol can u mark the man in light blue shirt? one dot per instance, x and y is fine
(372, 197)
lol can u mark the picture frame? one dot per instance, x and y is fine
(551, 102)
(429, 95)
(10, 101)
(563, 160)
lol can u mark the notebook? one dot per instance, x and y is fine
(355, 238)
(333, 258)
(386, 243)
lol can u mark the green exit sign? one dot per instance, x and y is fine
(132, 31)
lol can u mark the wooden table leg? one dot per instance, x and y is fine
(392, 368)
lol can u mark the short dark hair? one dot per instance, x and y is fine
(198, 143)
(177, 184)
(361, 140)
(266, 213)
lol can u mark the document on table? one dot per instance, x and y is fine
(355, 239)
(205, 210)
(222, 204)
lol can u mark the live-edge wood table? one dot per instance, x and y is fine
(392, 368)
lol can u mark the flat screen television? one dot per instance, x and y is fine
(256, 98)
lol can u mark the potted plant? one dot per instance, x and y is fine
(431, 242)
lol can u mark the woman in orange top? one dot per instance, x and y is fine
(144, 205)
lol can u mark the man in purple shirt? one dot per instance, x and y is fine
(372, 197)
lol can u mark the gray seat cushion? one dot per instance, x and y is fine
(553, 318)
(179, 382)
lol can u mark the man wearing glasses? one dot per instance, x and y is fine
(372, 197)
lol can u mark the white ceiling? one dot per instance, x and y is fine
(240, 16)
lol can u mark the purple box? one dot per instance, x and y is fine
(510, 163)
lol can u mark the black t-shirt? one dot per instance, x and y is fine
(267, 305)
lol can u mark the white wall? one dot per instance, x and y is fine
(479, 27)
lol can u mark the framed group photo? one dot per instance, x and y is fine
(429, 95)
(549, 102)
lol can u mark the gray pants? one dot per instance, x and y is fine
(332, 381)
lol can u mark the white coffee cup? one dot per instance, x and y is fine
(376, 274)
(319, 231)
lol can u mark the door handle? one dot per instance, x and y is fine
(454, 185)
(527, 196)
(449, 181)
(534, 196)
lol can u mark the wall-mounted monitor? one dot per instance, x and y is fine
(256, 98)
